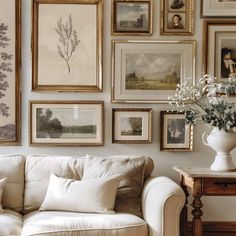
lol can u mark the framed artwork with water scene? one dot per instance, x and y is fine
(67, 45)
(219, 54)
(131, 125)
(175, 134)
(10, 64)
(148, 71)
(66, 123)
(132, 17)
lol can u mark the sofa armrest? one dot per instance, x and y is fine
(162, 202)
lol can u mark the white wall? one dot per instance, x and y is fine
(202, 156)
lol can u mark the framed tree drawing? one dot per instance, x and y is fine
(10, 64)
(66, 123)
(148, 71)
(67, 45)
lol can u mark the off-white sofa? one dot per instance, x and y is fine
(27, 182)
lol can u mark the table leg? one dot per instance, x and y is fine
(197, 213)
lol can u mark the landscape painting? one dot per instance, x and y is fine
(10, 54)
(131, 126)
(152, 71)
(67, 123)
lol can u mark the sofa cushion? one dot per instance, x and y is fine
(132, 171)
(2, 185)
(37, 174)
(82, 224)
(94, 195)
(12, 168)
(10, 223)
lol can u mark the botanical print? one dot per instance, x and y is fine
(66, 123)
(132, 16)
(152, 71)
(131, 126)
(175, 131)
(7, 71)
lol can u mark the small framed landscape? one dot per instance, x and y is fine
(175, 134)
(218, 8)
(66, 123)
(177, 17)
(67, 45)
(148, 71)
(132, 17)
(10, 72)
(131, 125)
(219, 55)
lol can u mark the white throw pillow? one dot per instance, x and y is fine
(2, 184)
(93, 195)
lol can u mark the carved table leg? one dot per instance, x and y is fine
(197, 213)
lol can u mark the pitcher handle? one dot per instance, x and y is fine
(204, 138)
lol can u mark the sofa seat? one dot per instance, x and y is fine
(10, 223)
(82, 224)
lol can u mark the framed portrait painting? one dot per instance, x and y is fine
(148, 71)
(219, 55)
(66, 123)
(177, 17)
(10, 64)
(218, 8)
(67, 45)
(175, 134)
(131, 125)
(132, 17)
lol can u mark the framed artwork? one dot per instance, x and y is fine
(66, 123)
(219, 55)
(175, 134)
(177, 17)
(131, 125)
(10, 64)
(148, 71)
(132, 17)
(67, 45)
(218, 8)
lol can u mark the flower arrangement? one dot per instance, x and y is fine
(207, 102)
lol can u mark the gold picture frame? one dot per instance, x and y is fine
(148, 71)
(175, 135)
(66, 123)
(131, 125)
(140, 17)
(177, 17)
(10, 72)
(67, 38)
(219, 41)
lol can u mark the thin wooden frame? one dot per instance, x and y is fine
(66, 123)
(177, 18)
(218, 38)
(10, 72)
(216, 9)
(146, 24)
(150, 86)
(175, 136)
(55, 67)
(131, 125)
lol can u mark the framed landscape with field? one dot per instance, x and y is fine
(63, 123)
(148, 71)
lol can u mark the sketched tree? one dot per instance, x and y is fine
(68, 40)
(5, 67)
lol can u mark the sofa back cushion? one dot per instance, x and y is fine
(37, 174)
(12, 168)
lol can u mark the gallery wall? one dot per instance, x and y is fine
(202, 156)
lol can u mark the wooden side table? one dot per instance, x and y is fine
(203, 182)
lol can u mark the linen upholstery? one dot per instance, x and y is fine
(2, 184)
(10, 223)
(37, 174)
(130, 186)
(48, 223)
(93, 195)
(12, 168)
